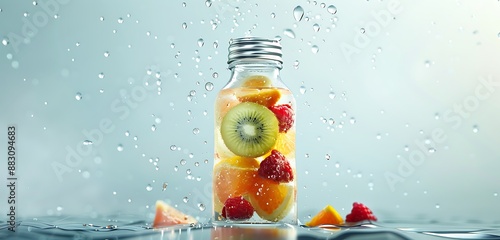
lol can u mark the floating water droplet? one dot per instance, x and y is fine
(298, 13)
(296, 64)
(289, 33)
(164, 186)
(331, 9)
(378, 136)
(78, 96)
(5, 41)
(184, 25)
(331, 95)
(173, 147)
(15, 64)
(362, 30)
(119, 148)
(337, 165)
(106, 54)
(34, 3)
(196, 131)
(316, 27)
(120, 20)
(101, 18)
(183, 161)
(495, 194)
(438, 206)
(352, 120)
(201, 42)
(406, 148)
(157, 120)
(185, 199)
(100, 75)
(201, 206)
(153, 128)
(273, 15)
(427, 63)
(208, 3)
(327, 156)
(176, 168)
(149, 188)
(87, 142)
(475, 129)
(315, 49)
(432, 150)
(302, 89)
(26, 14)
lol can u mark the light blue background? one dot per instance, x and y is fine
(394, 93)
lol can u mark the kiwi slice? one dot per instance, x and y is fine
(249, 129)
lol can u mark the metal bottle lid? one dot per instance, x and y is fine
(254, 48)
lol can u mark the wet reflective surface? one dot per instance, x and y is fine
(127, 228)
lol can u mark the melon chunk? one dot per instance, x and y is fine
(167, 215)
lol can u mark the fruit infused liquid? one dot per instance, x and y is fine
(254, 175)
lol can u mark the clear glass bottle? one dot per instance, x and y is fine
(254, 175)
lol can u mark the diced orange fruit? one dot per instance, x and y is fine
(257, 81)
(271, 200)
(265, 96)
(327, 216)
(233, 177)
(167, 215)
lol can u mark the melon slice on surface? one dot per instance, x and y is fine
(167, 215)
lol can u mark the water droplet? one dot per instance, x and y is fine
(157, 120)
(129, 200)
(379, 49)
(378, 136)
(327, 156)
(432, 150)
(201, 206)
(273, 15)
(331, 9)
(427, 63)
(153, 128)
(184, 25)
(164, 186)
(119, 148)
(296, 64)
(101, 18)
(26, 14)
(362, 30)
(331, 95)
(34, 3)
(149, 188)
(173, 147)
(176, 168)
(183, 161)
(298, 13)
(196, 131)
(315, 49)
(352, 120)
(208, 3)
(185, 199)
(406, 148)
(437, 206)
(495, 194)
(475, 129)
(302, 89)
(100, 75)
(498, 35)
(120, 20)
(289, 33)
(15, 64)
(78, 96)
(87, 142)
(5, 41)
(106, 54)
(201, 42)
(316, 27)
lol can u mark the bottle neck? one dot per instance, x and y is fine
(248, 69)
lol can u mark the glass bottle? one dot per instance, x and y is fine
(254, 175)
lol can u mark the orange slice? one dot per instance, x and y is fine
(285, 143)
(271, 200)
(257, 81)
(167, 215)
(327, 215)
(233, 177)
(265, 96)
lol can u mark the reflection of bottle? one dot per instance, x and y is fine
(254, 177)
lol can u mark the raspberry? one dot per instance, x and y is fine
(276, 167)
(237, 208)
(285, 115)
(360, 212)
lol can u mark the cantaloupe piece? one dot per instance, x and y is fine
(327, 216)
(167, 215)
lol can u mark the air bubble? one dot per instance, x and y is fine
(289, 33)
(78, 96)
(298, 13)
(331, 9)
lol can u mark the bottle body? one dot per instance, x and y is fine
(254, 175)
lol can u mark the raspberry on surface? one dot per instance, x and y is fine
(237, 208)
(359, 213)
